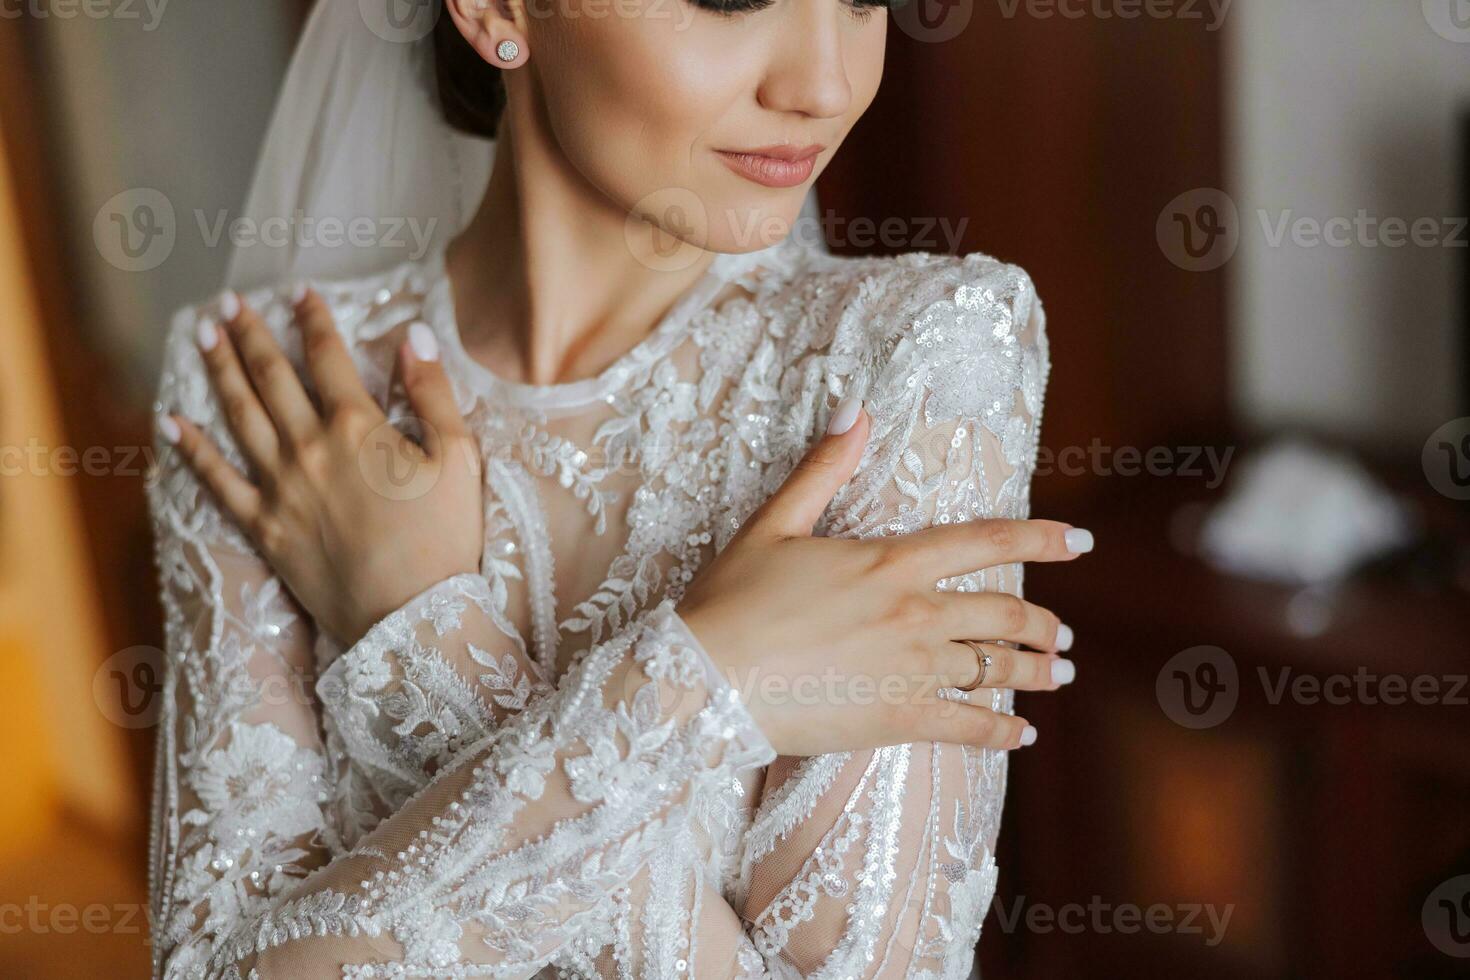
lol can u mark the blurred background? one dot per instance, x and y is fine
(1247, 220)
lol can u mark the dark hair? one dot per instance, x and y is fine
(471, 92)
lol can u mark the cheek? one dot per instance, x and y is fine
(630, 97)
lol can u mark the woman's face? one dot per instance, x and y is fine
(713, 126)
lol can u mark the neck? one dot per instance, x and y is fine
(547, 285)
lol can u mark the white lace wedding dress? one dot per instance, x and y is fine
(537, 769)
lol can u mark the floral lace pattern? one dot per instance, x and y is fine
(537, 768)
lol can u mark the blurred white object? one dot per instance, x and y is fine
(1302, 515)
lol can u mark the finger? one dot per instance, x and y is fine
(981, 727)
(1002, 616)
(958, 549)
(247, 418)
(800, 501)
(1008, 669)
(272, 376)
(429, 390)
(338, 385)
(236, 495)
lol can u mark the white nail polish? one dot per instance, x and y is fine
(169, 429)
(845, 417)
(298, 293)
(229, 305)
(1064, 637)
(1028, 736)
(207, 335)
(423, 342)
(1079, 542)
(1063, 672)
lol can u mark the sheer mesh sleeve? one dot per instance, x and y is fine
(406, 699)
(241, 780)
(880, 864)
(518, 850)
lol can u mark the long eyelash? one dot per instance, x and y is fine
(861, 8)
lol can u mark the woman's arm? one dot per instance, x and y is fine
(518, 850)
(880, 864)
(595, 778)
(242, 784)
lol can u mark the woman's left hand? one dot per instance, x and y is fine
(355, 517)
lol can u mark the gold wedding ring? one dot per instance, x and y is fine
(984, 660)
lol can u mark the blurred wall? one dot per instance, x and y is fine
(1337, 106)
(153, 109)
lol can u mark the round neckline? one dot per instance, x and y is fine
(670, 330)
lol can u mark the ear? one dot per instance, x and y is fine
(487, 25)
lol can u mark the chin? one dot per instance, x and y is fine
(747, 226)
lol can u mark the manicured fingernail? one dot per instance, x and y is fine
(298, 293)
(207, 335)
(1064, 637)
(1028, 736)
(845, 417)
(1063, 672)
(169, 429)
(422, 341)
(1079, 542)
(229, 305)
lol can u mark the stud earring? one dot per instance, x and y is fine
(507, 51)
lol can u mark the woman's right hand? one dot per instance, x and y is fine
(841, 644)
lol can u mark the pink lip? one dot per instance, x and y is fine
(774, 166)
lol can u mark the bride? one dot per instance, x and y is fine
(625, 588)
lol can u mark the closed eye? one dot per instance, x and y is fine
(730, 7)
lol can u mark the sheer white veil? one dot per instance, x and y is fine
(359, 170)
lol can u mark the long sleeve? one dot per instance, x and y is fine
(241, 783)
(517, 850)
(880, 864)
(444, 672)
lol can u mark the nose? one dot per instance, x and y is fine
(807, 72)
